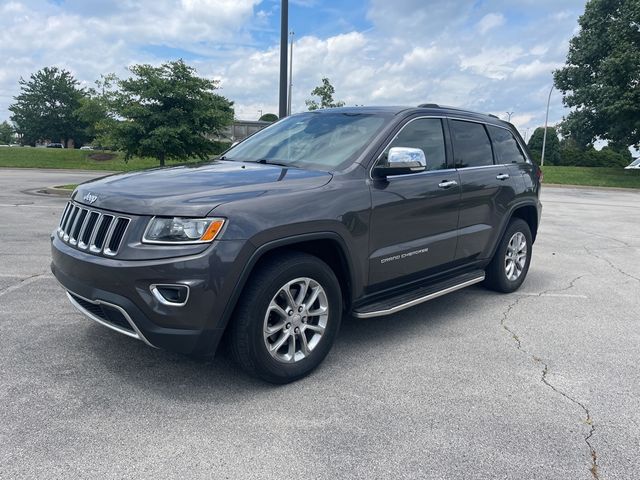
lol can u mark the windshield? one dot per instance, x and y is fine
(319, 141)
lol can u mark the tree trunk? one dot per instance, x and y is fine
(161, 158)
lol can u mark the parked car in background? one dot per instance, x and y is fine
(87, 147)
(55, 145)
(364, 211)
(635, 165)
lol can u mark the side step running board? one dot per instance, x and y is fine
(418, 296)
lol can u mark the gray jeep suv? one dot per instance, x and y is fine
(361, 211)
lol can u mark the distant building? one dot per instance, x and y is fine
(239, 130)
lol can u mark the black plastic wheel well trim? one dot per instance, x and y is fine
(265, 248)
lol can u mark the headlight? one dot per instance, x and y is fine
(179, 230)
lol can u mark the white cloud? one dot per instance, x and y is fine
(489, 22)
(464, 53)
(493, 63)
(535, 69)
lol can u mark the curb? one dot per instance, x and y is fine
(61, 192)
(590, 187)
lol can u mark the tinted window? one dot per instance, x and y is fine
(427, 135)
(505, 146)
(471, 146)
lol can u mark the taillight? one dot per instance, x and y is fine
(540, 174)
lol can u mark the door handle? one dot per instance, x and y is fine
(502, 176)
(447, 183)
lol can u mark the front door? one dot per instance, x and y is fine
(415, 216)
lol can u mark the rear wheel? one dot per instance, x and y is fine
(287, 318)
(510, 264)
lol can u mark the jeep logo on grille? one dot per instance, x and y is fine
(90, 198)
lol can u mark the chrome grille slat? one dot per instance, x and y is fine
(86, 228)
(68, 219)
(101, 233)
(81, 217)
(64, 216)
(113, 242)
(70, 222)
(96, 227)
(107, 236)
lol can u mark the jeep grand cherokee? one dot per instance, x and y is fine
(365, 211)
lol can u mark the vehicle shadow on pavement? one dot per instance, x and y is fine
(197, 379)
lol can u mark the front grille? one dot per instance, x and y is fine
(92, 230)
(104, 313)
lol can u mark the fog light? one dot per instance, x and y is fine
(169, 294)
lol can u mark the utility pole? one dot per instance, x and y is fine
(260, 112)
(546, 121)
(509, 116)
(284, 28)
(291, 34)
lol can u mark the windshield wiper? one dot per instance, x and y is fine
(264, 161)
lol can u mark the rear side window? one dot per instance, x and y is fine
(426, 134)
(505, 145)
(471, 145)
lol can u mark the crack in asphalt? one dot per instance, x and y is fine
(618, 269)
(613, 239)
(594, 469)
(26, 281)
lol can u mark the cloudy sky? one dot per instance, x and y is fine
(488, 55)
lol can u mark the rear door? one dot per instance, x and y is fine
(488, 188)
(509, 152)
(414, 217)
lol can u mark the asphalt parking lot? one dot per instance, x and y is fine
(544, 383)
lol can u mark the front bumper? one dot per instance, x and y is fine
(117, 294)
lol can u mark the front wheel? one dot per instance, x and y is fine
(287, 317)
(510, 264)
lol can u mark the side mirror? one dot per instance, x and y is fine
(401, 161)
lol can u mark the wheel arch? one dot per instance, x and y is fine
(528, 213)
(525, 211)
(328, 246)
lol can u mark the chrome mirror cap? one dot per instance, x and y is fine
(404, 157)
(402, 161)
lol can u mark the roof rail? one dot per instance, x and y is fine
(428, 105)
(494, 116)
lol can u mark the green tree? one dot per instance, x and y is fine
(6, 133)
(269, 117)
(325, 92)
(165, 112)
(601, 75)
(552, 148)
(93, 111)
(46, 105)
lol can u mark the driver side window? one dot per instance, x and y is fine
(425, 134)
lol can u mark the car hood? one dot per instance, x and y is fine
(193, 190)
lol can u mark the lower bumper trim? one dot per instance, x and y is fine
(133, 333)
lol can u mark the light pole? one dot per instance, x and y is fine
(546, 121)
(509, 116)
(291, 34)
(284, 29)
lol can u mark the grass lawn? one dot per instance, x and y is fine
(80, 159)
(68, 158)
(594, 177)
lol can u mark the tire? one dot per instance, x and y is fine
(498, 277)
(264, 307)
